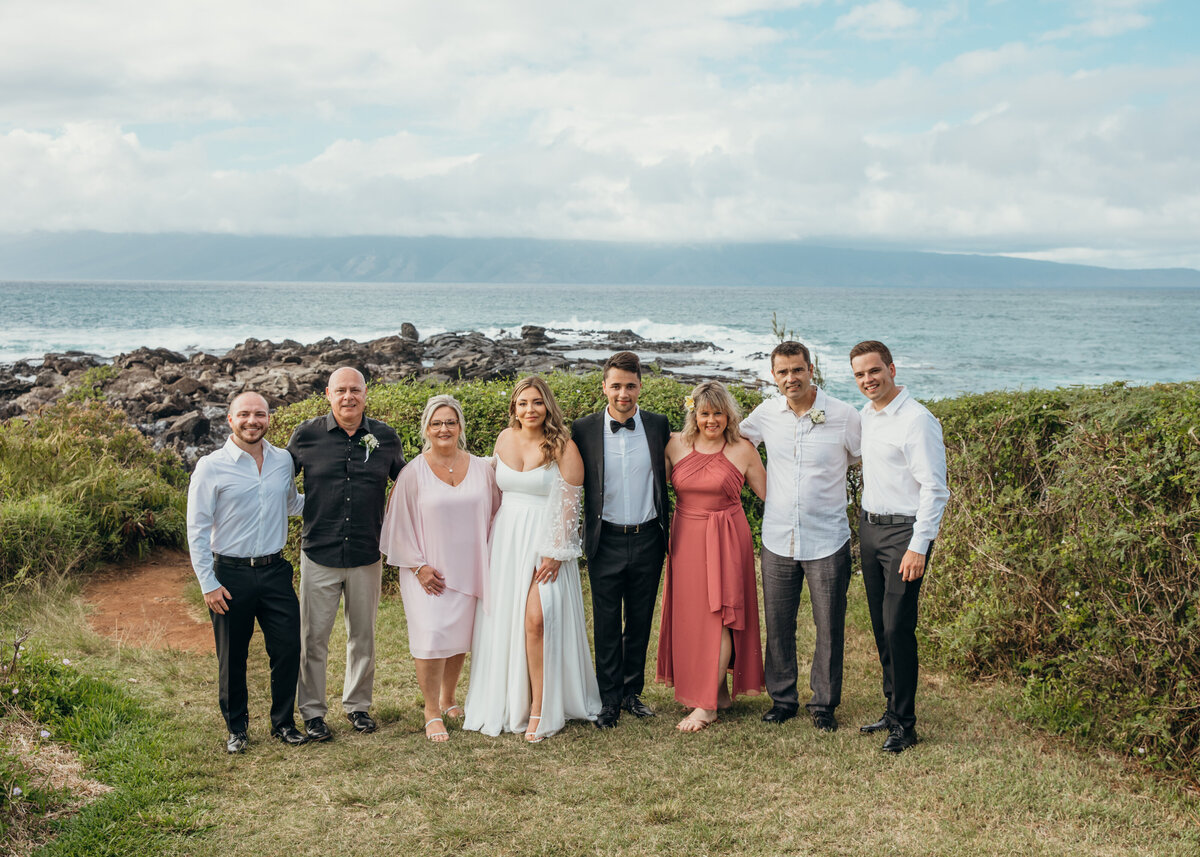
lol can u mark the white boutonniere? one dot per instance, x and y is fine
(370, 443)
(817, 417)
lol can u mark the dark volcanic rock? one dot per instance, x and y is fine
(189, 429)
(181, 401)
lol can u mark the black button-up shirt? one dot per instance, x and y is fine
(345, 490)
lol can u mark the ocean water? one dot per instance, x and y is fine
(945, 341)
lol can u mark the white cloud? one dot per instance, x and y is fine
(1104, 19)
(659, 121)
(882, 19)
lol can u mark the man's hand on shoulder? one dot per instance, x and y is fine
(218, 600)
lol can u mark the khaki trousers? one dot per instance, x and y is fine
(321, 590)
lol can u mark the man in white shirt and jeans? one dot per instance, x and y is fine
(239, 500)
(904, 496)
(811, 439)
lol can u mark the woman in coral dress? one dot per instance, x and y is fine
(709, 624)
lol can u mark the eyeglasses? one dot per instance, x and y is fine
(437, 424)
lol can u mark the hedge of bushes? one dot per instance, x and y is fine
(79, 484)
(1068, 557)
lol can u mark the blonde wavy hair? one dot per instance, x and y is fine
(714, 395)
(554, 428)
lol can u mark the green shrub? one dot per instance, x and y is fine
(38, 533)
(1068, 558)
(91, 384)
(79, 484)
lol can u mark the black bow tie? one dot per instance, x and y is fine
(616, 426)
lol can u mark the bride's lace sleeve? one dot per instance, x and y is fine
(561, 537)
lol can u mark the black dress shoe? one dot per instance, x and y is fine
(236, 742)
(608, 717)
(317, 729)
(289, 734)
(900, 739)
(879, 725)
(825, 721)
(362, 721)
(634, 705)
(779, 714)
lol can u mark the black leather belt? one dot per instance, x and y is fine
(627, 529)
(872, 518)
(252, 561)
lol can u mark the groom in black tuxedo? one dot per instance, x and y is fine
(627, 518)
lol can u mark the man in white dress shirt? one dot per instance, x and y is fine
(811, 440)
(904, 495)
(239, 500)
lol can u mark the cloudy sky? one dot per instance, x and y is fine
(1062, 129)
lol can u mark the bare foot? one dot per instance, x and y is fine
(697, 721)
(454, 711)
(435, 730)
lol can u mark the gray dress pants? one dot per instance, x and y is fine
(828, 582)
(321, 590)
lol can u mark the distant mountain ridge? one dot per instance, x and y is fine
(211, 257)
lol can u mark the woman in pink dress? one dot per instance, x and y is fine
(436, 532)
(710, 599)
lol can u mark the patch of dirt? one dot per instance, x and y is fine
(53, 765)
(143, 604)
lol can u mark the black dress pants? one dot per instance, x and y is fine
(893, 606)
(624, 574)
(264, 593)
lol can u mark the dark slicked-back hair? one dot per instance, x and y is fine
(626, 361)
(872, 346)
(791, 348)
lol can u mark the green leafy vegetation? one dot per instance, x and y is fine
(1068, 559)
(77, 485)
(151, 801)
(91, 384)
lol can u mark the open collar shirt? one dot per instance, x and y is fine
(628, 475)
(235, 510)
(904, 466)
(345, 487)
(805, 514)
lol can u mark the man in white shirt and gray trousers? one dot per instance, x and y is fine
(811, 439)
(239, 499)
(904, 496)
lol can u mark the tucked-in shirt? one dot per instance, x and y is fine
(628, 479)
(235, 510)
(904, 466)
(345, 488)
(805, 515)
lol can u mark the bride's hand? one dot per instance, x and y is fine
(547, 572)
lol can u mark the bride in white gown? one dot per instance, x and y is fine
(531, 669)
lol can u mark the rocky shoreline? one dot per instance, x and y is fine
(180, 400)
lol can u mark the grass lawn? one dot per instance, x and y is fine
(980, 783)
